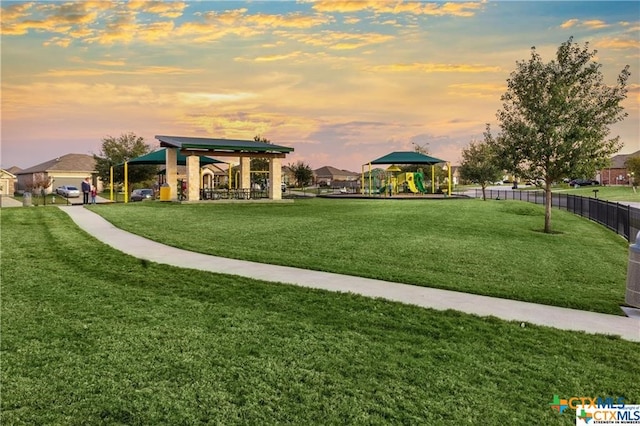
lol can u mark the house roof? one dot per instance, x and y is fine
(617, 161)
(14, 170)
(160, 157)
(4, 172)
(332, 171)
(228, 146)
(65, 163)
(407, 157)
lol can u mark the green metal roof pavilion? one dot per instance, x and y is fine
(407, 157)
(223, 147)
(160, 157)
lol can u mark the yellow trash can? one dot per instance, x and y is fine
(165, 192)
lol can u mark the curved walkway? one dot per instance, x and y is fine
(510, 310)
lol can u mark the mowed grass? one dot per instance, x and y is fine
(92, 336)
(610, 193)
(494, 248)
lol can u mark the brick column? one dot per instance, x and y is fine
(193, 178)
(275, 179)
(245, 173)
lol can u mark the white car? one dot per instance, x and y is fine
(68, 191)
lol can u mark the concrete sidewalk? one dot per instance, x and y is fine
(6, 201)
(511, 310)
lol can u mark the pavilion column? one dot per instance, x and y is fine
(193, 178)
(275, 179)
(245, 173)
(171, 168)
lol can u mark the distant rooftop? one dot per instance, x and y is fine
(65, 163)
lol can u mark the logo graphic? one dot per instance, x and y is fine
(590, 411)
(560, 405)
(584, 416)
(589, 415)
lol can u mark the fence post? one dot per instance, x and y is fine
(627, 226)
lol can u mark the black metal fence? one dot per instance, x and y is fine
(233, 194)
(620, 218)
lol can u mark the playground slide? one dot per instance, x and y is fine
(410, 179)
(411, 184)
(419, 183)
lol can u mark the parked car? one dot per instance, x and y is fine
(141, 194)
(68, 191)
(583, 182)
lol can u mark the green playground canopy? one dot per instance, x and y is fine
(407, 157)
(160, 157)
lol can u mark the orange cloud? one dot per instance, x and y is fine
(569, 23)
(171, 9)
(271, 58)
(16, 11)
(69, 19)
(618, 43)
(294, 20)
(463, 9)
(593, 24)
(340, 40)
(204, 100)
(202, 32)
(478, 90)
(84, 72)
(122, 29)
(239, 17)
(430, 67)
(58, 41)
(111, 63)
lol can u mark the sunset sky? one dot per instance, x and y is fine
(342, 82)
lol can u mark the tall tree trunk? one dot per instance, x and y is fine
(484, 195)
(547, 208)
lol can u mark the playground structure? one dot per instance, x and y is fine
(412, 182)
(391, 180)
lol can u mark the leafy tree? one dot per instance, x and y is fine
(479, 163)
(633, 167)
(555, 117)
(39, 185)
(302, 173)
(116, 151)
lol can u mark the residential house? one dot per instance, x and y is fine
(331, 176)
(616, 173)
(288, 177)
(70, 169)
(7, 182)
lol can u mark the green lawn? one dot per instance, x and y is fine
(91, 336)
(610, 193)
(490, 248)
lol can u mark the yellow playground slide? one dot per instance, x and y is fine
(408, 177)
